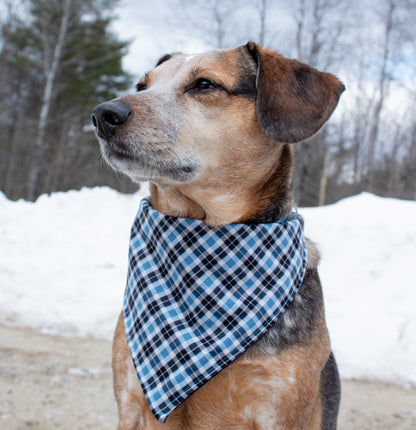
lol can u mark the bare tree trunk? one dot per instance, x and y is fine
(314, 22)
(263, 13)
(219, 19)
(299, 29)
(382, 89)
(360, 125)
(58, 164)
(37, 154)
(324, 178)
(393, 186)
(14, 147)
(316, 46)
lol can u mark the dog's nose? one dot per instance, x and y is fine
(107, 117)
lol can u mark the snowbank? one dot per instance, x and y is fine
(63, 260)
(63, 263)
(368, 247)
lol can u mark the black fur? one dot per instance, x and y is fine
(303, 313)
(246, 85)
(165, 57)
(330, 394)
(277, 191)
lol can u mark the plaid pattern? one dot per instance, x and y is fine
(197, 297)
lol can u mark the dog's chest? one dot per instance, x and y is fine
(198, 297)
(257, 393)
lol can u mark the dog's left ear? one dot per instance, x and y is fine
(294, 100)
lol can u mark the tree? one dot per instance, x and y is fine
(330, 35)
(18, 87)
(60, 63)
(318, 35)
(208, 19)
(381, 88)
(51, 61)
(221, 24)
(370, 44)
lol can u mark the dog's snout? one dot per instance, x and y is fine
(107, 117)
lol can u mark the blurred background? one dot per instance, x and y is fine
(60, 58)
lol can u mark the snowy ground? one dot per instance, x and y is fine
(63, 263)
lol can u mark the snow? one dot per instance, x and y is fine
(368, 247)
(63, 260)
(63, 264)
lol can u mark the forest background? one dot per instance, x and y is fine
(60, 58)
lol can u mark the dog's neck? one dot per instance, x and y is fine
(266, 201)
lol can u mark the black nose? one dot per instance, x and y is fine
(107, 117)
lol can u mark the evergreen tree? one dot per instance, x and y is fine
(64, 60)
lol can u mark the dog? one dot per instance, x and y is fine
(214, 135)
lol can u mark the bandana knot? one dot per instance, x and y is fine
(197, 297)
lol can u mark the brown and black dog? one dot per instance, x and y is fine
(213, 134)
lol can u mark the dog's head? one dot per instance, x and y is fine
(215, 121)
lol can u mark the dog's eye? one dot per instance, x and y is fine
(140, 87)
(204, 84)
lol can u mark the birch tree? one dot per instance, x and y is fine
(51, 64)
(61, 60)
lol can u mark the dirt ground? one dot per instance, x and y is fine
(50, 382)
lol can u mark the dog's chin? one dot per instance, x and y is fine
(141, 168)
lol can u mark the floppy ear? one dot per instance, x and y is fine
(294, 100)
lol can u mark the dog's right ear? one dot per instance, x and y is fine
(294, 100)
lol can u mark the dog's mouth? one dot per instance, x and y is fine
(147, 166)
(118, 153)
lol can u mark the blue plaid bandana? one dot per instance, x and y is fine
(197, 297)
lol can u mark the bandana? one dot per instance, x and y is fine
(197, 297)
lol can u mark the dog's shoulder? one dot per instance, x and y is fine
(313, 254)
(304, 317)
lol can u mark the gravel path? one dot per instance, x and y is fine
(50, 382)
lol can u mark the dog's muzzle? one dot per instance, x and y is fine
(109, 116)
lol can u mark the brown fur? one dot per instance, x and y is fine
(246, 395)
(294, 100)
(220, 154)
